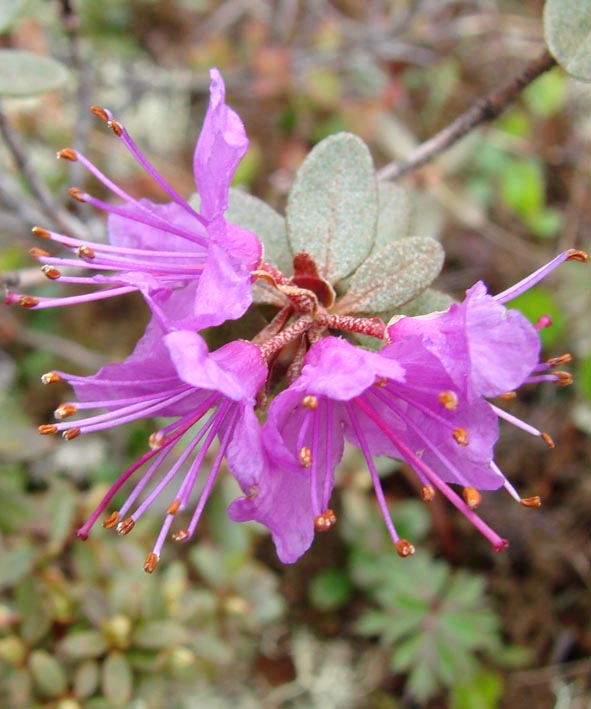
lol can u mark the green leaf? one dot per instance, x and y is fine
(117, 680)
(483, 692)
(429, 301)
(83, 646)
(330, 590)
(257, 216)
(392, 276)
(86, 679)
(395, 214)
(47, 673)
(27, 74)
(584, 377)
(160, 634)
(523, 187)
(567, 30)
(16, 564)
(62, 505)
(333, 206)
(9, 11)
(547, 95)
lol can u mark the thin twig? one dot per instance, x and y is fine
(485, 109)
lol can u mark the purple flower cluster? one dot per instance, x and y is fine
(423, 397)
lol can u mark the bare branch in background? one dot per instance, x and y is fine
(484, 110)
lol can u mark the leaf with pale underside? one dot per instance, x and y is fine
(395, 214)
(333, 206)
(393, 276)
(28, 74)
(257, 216)
(567, 31)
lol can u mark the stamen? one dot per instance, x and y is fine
(173, 508)
(115, 127)
(77, 194)
(150, 563)
(51, 272)
(50, 378)
(85, 252)
(28, 301)
(460, 436)
(47, 429)
(325, 521)
(111, 520)
(126, 526)
(576, 255)
(67, 154)
(380, 382)
(531, 501)
(305, 457)
(404, 548)
(181, 535)
(427, 493)
(156, 440)
(41, 232)
(544, 321)
(70, 434)
(558, 361)
(38, 253)
(449, 399)
(508, 395)
(472, 497)
(65, 410)
(563, 379)
(310, 402)
(547, 439)
(99, 113)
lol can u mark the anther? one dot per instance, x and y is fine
(325, 521)
(41, 232)
(99, 113)
(173, 508)
(28, 301)
(449, 399)
(51, 272)
(472, 497)
(77, 194)
(67, 154)
(531, 501)
(547, 439)
(150, 562)
(310, 402)
(501, 545)
(543, 321)
(50, 378)
(427, 493)
(576, 255)
(85, 252)
(558, 361)
(508, 395)
(65, 410)
(110, 521)
(47, 429)
(181, 535)
(38, 253)
(115, 127)
(404, 548)
(305, 457)
(125, 526)
(156, 439)
(70, 434)
(380, 382)
(460, 436)
(563, 379)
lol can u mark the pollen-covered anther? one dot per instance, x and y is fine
(380, 382)
(99, 112)
(547, 439)
(563, 379)
(77, 194)
(50, 378)
(51, 272)
(111, 521)
(531, 501)
(559, 361)
(38, 253)
(65, 410)
(85, 252)
(125, 526)
(449, 399)
(150, 562)
(404, 548)
(67, 154)
(472, 497)
(181, 535)
(427, 493)
(310, 402)
(115, 127)
(174, 506)
(156, 440)
(70, 434)
(508, 395)
(577, 255)
(41, 232)
(305, 457)
(325, 521)
(28, 301)
(460, 436)
(47, 429)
